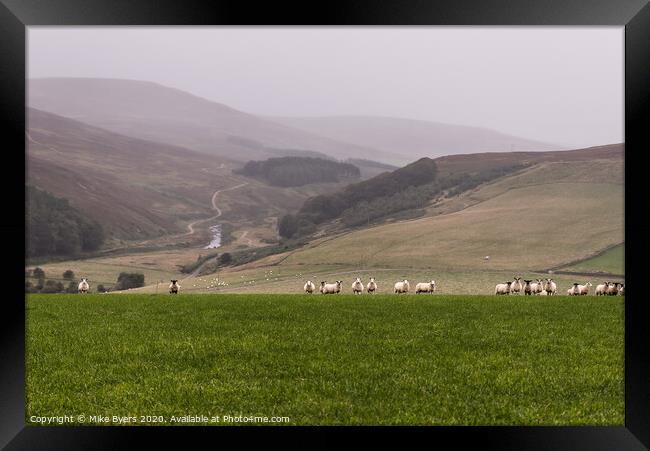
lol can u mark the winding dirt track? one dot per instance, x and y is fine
(190, 226)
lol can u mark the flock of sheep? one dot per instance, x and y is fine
(548, 287)
(358, 288)
(543, 287)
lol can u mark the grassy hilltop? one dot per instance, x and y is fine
(460, 360)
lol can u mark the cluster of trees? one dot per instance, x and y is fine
(411, 198)
(35, 282)
(221, 260)
(328, 206)
(128, 280)
(298, 171)
(40, 285)
(54, 227)
(321, 208)
(408, 188)
(468, 182)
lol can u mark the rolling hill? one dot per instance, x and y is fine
(552, 212)
(140, 189)
(410, 138)
(150, 111)
(135, 188)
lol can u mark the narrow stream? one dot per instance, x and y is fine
(216, 237)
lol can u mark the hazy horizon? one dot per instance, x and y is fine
(560, 85)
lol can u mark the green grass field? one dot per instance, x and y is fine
(462, 360)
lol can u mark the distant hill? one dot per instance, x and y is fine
(545, 215)
(158, 113)
(133, 188)
(370, 168)
(410, 138)
(138, 189)
(416, 185)
(299, 171)
(454, 164)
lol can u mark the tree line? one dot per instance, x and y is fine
(298, 171)
(35, 282)
(56, 228)
(324, 207)
(408, 188)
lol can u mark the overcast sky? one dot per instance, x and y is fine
(562, 85)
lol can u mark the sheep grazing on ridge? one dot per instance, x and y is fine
(550, 287)
(601, 289)
(537, 287)
(174, 287)
(330, 288)
(425, 287)
(612, 289)
(357, 286)
(309, 287)
(83, 286)
(402, 287)
(503, 288)
(528, 289)
(516, 286)
(583, 290)
(372, 286)
(574, 290)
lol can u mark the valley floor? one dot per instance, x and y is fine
(454, 360)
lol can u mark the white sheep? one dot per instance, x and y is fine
(516, 286)
(372, 285)
(550, 287)
(528, 289)
(502, 288)
(574, 290)
(309, 287)
(583, 290)
(537, 287)
(425, 287)
(174, 287)
(357, 286)
(83, 286)
(402, 287)
(330, 288)
(612, 289)
(601, 289)
(621, 290)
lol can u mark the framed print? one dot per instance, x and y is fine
(416, 214)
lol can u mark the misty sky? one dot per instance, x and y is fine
(562, 85)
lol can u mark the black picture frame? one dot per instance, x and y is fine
(634, 15)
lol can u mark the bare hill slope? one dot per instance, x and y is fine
(413, 139)
(158, 113)
(551, 213)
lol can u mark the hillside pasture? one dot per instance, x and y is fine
(443, 360)
(291, 278)
(611, 261)
(529, 228)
